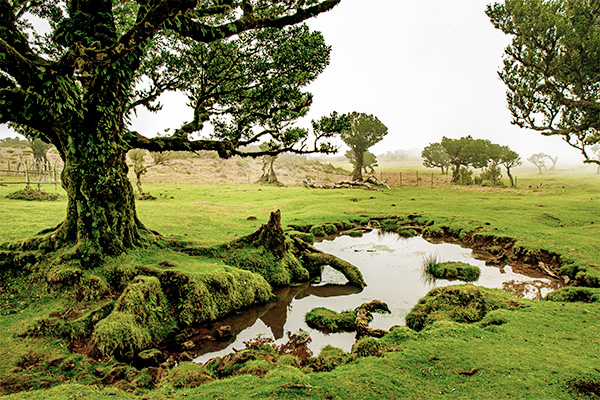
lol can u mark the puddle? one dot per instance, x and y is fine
(391, 266)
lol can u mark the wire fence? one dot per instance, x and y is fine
(416, 178)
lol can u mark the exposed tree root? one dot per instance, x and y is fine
(315, 260)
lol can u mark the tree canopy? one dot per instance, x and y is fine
(242, 65)
(434, 156)
(551, 68)
(365, 130)
(465, 152)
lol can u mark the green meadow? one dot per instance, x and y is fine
(517, 349)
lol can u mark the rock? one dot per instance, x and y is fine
(118, 372)
(224, 332)
(232, 359)
(150, 358)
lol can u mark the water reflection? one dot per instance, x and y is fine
(391, 266)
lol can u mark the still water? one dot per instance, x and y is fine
(391, 266)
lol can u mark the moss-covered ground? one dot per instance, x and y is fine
(525, 350)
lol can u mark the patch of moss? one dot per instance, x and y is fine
(388, 225)
(328, 320)
(574, 294)
(353, 233)
(30, 194)
(277, 271)
(257, 367)
(205, 297)
(189, 375)
(330, 229)
(329, 358)
(367, 347)
(395, 339)
(317, 231)
(406, 233)
(459, 303)
(450, 270)
(307, 237)
(140, 317)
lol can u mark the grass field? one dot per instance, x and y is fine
(542, 350)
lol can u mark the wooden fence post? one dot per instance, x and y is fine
(26, 174)
(432, 179)
(400, 178)
(417, 178)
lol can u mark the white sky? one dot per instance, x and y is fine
(425, 68)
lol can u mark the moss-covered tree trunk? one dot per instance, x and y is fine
(268, 175)
(90, 137)
(359, 160)
(101, 213)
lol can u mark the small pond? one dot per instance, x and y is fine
(391, 266)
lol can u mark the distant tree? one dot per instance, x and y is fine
(369, 161)
(40, 152)
(268, 172)
(365, 130)
(492, 171)
(397, 155)
(554, 161)
(465, 152)
(140, 167)
(551, 67)
(510, 159)
(539, 160)
(596, 150)
(434, 156)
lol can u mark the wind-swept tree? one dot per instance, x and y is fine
(369, 161)
(554, 160)
(140, 166)
(365, 131)
(465, 152)
(434, 156)
(510, 159)
(551, 68)
(539, 160)
(73, 87)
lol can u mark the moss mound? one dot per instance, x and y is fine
(450, 270)
(139, 318)
(459, 303)
(573, 294)
(331, 321)
(329, 358)
(30, 194)
(189, 375)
